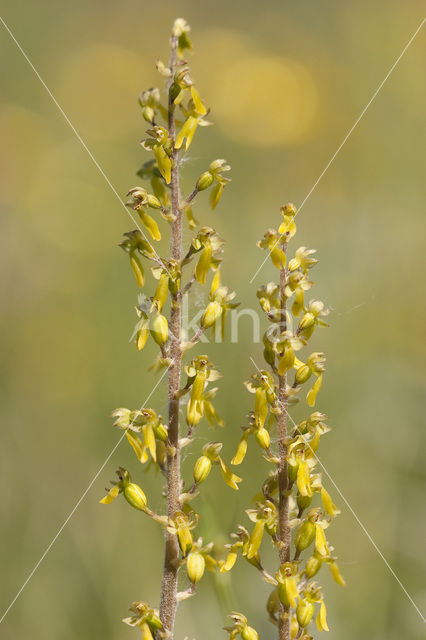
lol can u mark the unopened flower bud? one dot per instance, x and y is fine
(307, 321)
(313, 565)
(211, 314)
(202, 469)
(263, 438)
(195, 565)
(269, 354)
(160, 329)
(304, 612)
(135, 496)
(293, 264)
(204, 181)
(305, 535)
(248, 633)
(302, 374)
(148, 114)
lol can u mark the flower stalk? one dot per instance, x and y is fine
(283, 483)
(168, 601)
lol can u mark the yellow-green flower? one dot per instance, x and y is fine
(288, 227)
(271, 241)
(160, 329)
(146, 618)
(241, 627)
(195, 566)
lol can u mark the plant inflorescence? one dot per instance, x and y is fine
(171, 129)
(286, 509)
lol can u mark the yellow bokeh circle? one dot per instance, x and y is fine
(266, 101)
(98, 90)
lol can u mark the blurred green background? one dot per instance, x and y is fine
(285, 82)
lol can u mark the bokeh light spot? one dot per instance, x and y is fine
(23, 136)
(67, 205)
(97, 90)
(266, 101)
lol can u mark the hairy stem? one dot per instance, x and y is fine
(168, 603)
(283, 515)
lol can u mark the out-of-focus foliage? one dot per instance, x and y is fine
(287, 81)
